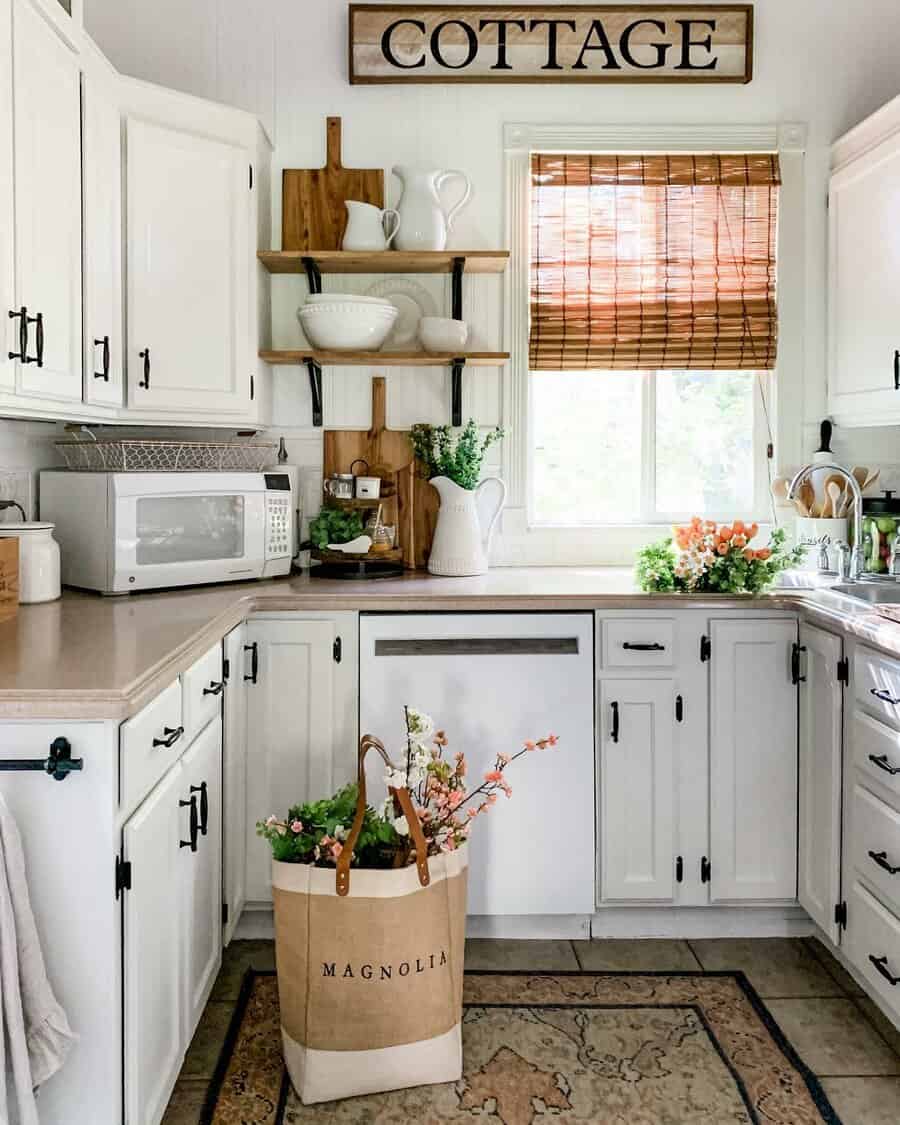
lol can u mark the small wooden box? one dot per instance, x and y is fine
(9, 577)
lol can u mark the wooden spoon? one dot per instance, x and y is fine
(780, 489)
(871, 479)
(807, 497)
(860, 474)
(834, 490)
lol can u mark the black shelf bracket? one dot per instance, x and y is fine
(313, 275)
(459, 267)
(456, 392)
(315, 388)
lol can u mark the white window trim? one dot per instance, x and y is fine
(519, 544)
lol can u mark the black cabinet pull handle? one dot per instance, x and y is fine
(204, 805)
(705, 870)
(884, 696)
(22, 316)
(38, 322)
(253, 649)
(104, 374)
(679, 709)
(145, 382)
(882, 860)
(897, 370)
(214, 688)
(195, 827)
(796, 650)
(881, 760)
(170, 736)
(679, 869)
(615, 722)
(643, 648)
(880, 964)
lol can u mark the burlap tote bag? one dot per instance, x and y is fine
(370, 966)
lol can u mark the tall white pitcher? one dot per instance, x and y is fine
(424, 221)
(461, 543)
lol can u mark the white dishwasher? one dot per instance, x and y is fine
(491, 681)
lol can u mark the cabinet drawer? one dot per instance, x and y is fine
(638, 643)
(876, 752)
(877, 684)
(203, 687)
(149, 743)
(875, 835)
(873, 939)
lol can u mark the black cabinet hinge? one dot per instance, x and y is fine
(123, 876)
(796, 651)
(337, 650)
(226, 670)
(843, 671)
(705, 870)
(224, 913)
(679, 709)
(840, 915)
(251, 177)
(705, 649)
(679, 869)
(252, 388)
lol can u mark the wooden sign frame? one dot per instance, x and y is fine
(583, 32)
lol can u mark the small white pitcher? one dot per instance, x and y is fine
(461, 544)
(366, 226)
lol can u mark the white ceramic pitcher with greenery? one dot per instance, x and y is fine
(469, 507)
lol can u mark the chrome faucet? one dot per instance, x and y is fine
(857, 557)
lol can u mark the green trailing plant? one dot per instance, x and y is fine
(334, 525)
(457, 457)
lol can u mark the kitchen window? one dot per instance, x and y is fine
(653, 332)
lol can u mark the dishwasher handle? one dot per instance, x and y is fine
(476, 646)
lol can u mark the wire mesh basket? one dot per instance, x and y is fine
(147, 455)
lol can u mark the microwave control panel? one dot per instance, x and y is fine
(279, 518)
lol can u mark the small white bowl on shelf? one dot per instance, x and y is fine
(347, 326)
(441, 334)
(346, 299)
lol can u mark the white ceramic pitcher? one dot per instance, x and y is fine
(461, 541)
(366, 226)
(424, 222)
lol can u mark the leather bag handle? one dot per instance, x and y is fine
(342, 875)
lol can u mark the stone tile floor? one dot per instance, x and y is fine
(837, 1031)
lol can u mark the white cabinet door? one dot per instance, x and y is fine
(201, 770)
(102, 186)
(189, 270)
(234, 756)
(10, 337)
(864, 276)
(638, 825)
(47, 121)
(753, 761)
(154, 923)
(295, 743)
(821, 715)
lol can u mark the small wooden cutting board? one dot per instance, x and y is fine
(9, 577)
(313, 215)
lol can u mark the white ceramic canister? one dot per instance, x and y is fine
(810, 532)
(38, 561)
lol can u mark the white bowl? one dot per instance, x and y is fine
(441, 334)
(347, 326)
(345, 298)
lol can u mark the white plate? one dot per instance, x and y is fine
(412, 301)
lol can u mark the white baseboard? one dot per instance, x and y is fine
(255, 924)
(529, 926)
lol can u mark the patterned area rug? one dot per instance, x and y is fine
(610, 1048)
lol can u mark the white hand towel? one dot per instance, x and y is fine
(35, 1036)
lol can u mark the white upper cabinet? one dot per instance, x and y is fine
(753, 761)
(189, 271)
(102, 182)
(7, 239)
(821, 716)
(67, 16)
(864, 273)
(47, 163)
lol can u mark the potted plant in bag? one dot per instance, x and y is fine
(453, 466)
(370, 915)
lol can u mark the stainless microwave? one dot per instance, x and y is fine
(121, 532)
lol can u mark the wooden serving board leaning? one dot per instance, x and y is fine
(9, 578)
(312, 199)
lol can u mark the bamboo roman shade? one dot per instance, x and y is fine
(653, 261)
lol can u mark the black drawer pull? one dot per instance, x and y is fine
(884, 696)
(882, 860)
(881, 760)
(104, 374)
(880, 964)
(643, 648)
(22, 315)
(615, 722)
(145, 382)
(204, 805)
(170, 736)
(214, 688)
(195, 827)
(253, 649)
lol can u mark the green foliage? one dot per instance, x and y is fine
(334, 525)
(460, 460)
(655, 568)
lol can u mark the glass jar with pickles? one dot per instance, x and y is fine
(881, 525)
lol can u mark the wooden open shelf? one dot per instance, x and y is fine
(355, 504)
(384, 359)
(384, 261)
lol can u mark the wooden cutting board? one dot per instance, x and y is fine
(9, 577)
(412, 505)
(313, 215)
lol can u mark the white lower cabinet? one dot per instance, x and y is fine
(301, 677)
(821, 745)
(753, 760)
(234, 781)
(638, 773)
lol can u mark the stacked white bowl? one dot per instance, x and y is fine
(347, 323)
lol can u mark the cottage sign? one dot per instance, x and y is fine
(551, 43)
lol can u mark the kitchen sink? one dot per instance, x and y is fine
(876, 593)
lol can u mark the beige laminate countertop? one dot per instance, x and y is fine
(89, 657)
